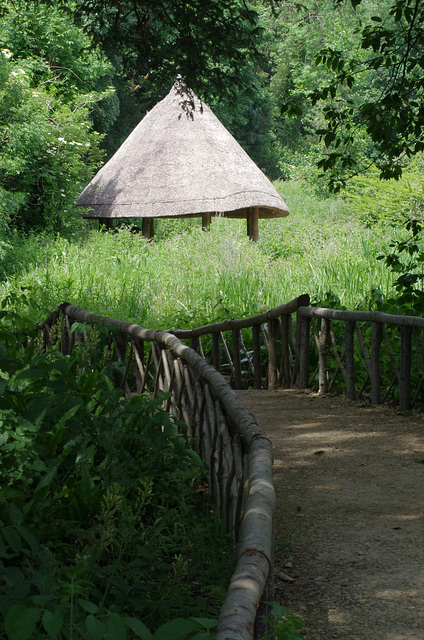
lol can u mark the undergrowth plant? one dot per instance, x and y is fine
(103, 530)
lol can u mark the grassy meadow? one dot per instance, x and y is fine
(187, 277)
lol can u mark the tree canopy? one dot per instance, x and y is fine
(78, 75)
(390, 111)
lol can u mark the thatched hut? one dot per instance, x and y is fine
(181, 162)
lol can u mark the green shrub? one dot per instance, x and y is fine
(102, 522)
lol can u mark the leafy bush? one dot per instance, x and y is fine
(51, 79)
(102, 522)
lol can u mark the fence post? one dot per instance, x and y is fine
(257, 370)
(272, 354)
(215, 351)
(235, 335)
(376, 336)
(195, 343)
(349, 359)
(405, 369)
(285, 352)
(302, 344)
(322, 357)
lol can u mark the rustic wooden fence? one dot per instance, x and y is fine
(258, 352)
(237, 453)
(370, 354)
(364, 353)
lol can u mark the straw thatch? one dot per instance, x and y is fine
(180, 161)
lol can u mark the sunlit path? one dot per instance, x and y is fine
(350, 514)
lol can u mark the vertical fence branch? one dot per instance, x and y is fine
(285, 352)
(235, 334)
(257, 369)
(405, 368)
(322, 356)
(376, 337)
(272, 354)
(216, 360)
(350, 359)
(302, 344)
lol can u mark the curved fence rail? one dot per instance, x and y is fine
(237, 453)
(363, 353)
(258, 352)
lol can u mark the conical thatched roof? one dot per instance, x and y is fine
(179, 163)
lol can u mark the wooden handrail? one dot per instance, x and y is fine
(288, 344)
(364, 316)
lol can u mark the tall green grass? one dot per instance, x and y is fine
(187, 277)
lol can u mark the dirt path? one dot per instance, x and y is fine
(350, 514)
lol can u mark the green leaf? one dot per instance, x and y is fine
(46, 480)
(116, 628)
(52, 622)
(3, 549)
(20, 621)
(13, 538)
(30, 373)
(13, 575)
(137, 627)
(177, 629)
(88, 606)
(69, 414)
(3, 386)
(15, 514)
(29, 538)
(207, 623)
(96, 628)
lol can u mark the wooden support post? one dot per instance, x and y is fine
(148, 227)
(285, 353)
(405, 369)
(257, 373)
(376, 336)
(349, 359)
(216, 360)
(322, 357)
(272, 354)
(249, 222)
(302, 344)
(235, 335)
(206, 221)
(253, 223)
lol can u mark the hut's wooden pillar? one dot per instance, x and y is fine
(148, 227)
(253, 223)
(206, 221)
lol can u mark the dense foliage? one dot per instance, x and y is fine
(49, 81)
(392, 114)
(102, 528)
(77, 76)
